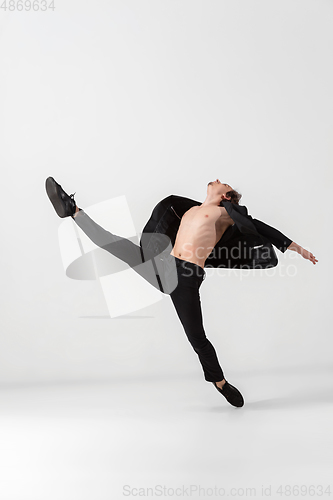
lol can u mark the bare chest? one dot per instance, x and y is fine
(216, 217)
(200, 228)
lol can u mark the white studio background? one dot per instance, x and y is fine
(133, 101)
(147, 99)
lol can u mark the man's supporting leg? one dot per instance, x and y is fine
(186, 300)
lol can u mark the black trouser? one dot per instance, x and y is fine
(163, 270)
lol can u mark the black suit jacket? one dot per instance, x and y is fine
(247, 244)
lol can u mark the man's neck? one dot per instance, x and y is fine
(211, 203)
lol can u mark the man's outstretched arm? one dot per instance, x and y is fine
(281, 241)
(304, 253)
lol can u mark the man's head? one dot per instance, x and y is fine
(219, 191)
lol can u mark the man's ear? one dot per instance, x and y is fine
(224, 197)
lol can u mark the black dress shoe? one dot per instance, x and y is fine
(231, 394)
(64, 205)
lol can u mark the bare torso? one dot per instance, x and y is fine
(199, 231)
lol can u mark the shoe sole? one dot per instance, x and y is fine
(52, 193)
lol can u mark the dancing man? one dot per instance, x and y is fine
(180, 272)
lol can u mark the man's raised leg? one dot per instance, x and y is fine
(142, 262)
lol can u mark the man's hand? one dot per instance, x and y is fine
(304, 253)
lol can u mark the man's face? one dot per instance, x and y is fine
(218, 188)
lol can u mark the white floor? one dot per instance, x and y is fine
(105, 440)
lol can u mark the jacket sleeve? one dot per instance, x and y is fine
(277, 238)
